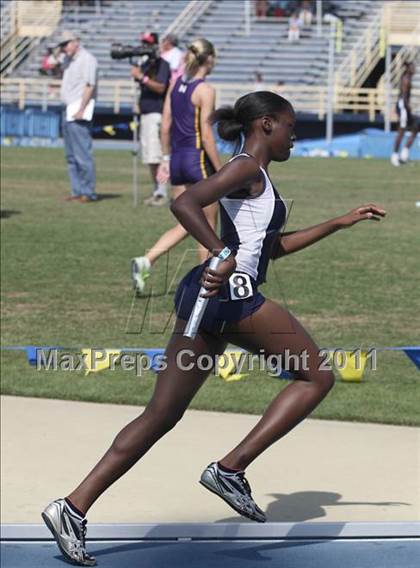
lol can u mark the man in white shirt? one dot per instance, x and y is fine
(170, 52)
(78, 93)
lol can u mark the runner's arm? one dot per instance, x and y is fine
(293, 241)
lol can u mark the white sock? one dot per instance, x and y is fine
(395, 160)
(404, 154)
(144, 261)
(161, 190)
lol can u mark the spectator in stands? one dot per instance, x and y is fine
(259, 82)
(305, 13)
(407, 120)
(278, 8)
(78, 93)
(153, 77)
(295, 24)
(261, 8)
(171, 53)
(50, 64)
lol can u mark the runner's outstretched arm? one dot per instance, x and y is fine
(294, 241)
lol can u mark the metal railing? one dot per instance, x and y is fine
(119, 95)
(187, 18)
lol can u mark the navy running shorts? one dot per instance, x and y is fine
(189, 165)
(221, 309)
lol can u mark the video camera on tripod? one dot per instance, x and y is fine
(120, 51)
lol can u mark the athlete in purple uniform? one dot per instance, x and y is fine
(187, 134)
(253, 229)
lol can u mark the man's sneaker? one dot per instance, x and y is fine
(234, 489)
(140, 272)
(88, 199)
(395, 160)
(404, 155)
(158, 201)
(69, 532)
(149, 200)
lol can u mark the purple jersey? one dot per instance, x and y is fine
(185, 128)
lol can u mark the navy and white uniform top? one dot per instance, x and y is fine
(250, 225)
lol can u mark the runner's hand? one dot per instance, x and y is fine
(370, 212)
(213, 279)
(162, 175)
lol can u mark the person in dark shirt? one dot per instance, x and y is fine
(406, 119)
(154, 76)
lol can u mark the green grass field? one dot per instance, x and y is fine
(65, 281)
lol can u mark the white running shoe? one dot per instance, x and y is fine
(140, 272)
(404, 155)
(395, 160)
(69, 533)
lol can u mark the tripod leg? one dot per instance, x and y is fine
(135, 152)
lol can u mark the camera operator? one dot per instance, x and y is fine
(153, 75)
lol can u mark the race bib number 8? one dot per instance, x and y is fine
(240, 286)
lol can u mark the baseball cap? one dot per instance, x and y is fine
(149, 37)
(67, 36)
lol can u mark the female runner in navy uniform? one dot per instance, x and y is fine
(186, 131)
(252, 215)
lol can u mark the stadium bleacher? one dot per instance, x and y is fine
(120, 21)
(266, 49)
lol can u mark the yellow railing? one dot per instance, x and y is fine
(396, 24)
(400, 20)
(409, 52)
(118, 95)
(362, 58)
(29, 22)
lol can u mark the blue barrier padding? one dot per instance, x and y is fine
(42, 124)
(12, 122)
(31, 123)
(368, 143)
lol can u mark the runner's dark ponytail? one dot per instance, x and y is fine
(228, 126)
(231, 121)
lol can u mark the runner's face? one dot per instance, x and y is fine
(283, 135)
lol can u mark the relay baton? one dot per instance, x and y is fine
(200, 305)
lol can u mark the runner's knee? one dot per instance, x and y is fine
(163, 417)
